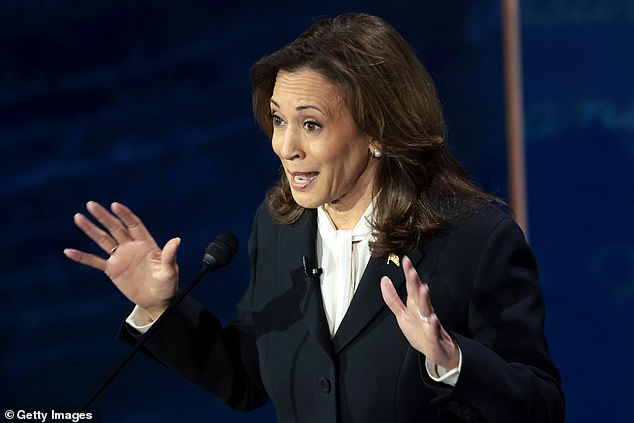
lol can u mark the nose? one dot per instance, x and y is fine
(291, 144)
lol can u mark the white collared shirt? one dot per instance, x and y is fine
(343, 255)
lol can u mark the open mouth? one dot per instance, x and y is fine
(301, 180)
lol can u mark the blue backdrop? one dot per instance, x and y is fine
(148, 103)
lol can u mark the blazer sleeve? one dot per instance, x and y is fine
(222, 361)
(506, 372)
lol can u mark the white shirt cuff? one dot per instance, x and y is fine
(450, 377)
(139, 320)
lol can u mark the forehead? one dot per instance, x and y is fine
(294, 88)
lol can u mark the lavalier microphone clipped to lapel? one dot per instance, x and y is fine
(310, 270)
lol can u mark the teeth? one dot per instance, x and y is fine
(304, 178)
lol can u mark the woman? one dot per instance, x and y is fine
(370, 195)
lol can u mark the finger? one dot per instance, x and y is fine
(101, 237)
(117, 229)
(424, 301)
(417, 291)
(412, 282)
(135, 226)
(86, 259)
(391, 298)
(168, 254)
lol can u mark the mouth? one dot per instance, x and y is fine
(301, 180)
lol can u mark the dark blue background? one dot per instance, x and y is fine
(148, 103)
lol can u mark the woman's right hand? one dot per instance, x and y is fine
(143, 272)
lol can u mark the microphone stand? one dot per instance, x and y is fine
(141, 341)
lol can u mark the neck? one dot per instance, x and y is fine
(347, 217)
(346, 211)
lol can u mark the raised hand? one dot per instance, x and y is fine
(143, 272)
(417, 319)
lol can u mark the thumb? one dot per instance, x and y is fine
(168, 253)
(390, 296)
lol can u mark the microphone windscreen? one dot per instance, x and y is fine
(221, 250)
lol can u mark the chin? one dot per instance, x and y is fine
(306, 200)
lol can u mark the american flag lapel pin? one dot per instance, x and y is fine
(394, 259)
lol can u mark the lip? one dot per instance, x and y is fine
(300, 181)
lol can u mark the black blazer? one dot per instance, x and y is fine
(483, 286)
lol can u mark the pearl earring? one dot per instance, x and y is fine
(377, 154)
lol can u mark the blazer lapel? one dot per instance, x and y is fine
(368, 301)
(297, 242)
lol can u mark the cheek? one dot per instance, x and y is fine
(276, 143)
(356, 157)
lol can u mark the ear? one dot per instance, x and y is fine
(373, 142)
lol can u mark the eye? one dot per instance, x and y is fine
(277, 121)
(311, 126)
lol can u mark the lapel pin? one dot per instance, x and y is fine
(394, 259)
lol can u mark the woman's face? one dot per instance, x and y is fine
(323, 152)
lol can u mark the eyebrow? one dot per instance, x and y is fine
(300, 107)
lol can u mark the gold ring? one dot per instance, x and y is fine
(113, 249)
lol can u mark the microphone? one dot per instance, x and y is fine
(218, 253)
(309, 268)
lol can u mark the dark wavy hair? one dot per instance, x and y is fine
(420, 187)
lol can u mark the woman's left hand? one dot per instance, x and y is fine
(417, 319)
